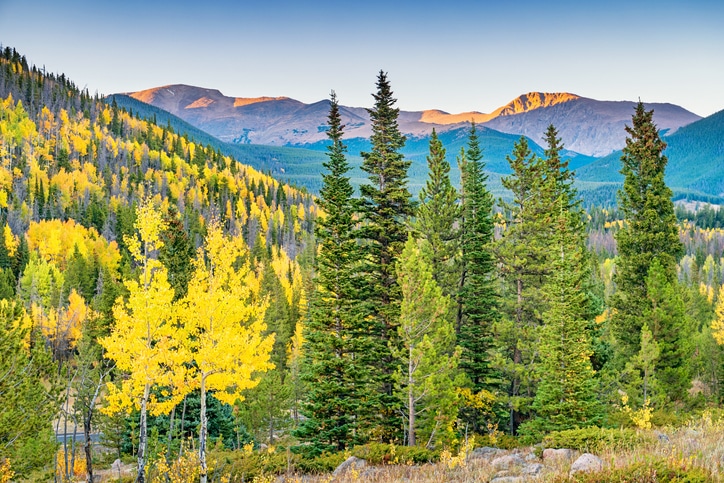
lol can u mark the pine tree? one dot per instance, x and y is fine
(649, 232)
(477, 297)
(29, 392)
(672, 331)
(334, 336)
(177, 253)
(566, 395)
(522, 252)
(436, 217)
(386, 207)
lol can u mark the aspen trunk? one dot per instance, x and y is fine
(142, 440)
(202, 434)
(411, 402)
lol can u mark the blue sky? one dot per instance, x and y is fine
(454, 55)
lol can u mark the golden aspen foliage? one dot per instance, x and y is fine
(11, 241)
(224, 313)
(717, 325)
(56, 240)
(63, 326)
(146, 342)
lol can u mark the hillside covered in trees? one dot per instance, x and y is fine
(208, 322)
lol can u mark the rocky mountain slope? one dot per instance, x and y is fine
(587, 126)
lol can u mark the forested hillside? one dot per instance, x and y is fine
(205, 322)
(73, 173)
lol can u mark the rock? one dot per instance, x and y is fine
(508, 479)
(663, 438)
(532, 470)
(486, 452)
(552, 454)
(586, 463)
(502, 463)
(351, 463)
(531, 457)
(116, 466)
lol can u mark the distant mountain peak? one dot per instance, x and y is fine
(535, 100)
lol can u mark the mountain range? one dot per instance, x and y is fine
(586, 126)
(287, 138)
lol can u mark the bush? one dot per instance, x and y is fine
(247, 465)
(502, 441)
(379, 453)
(654, 471)
(325, 463)
(596, 440)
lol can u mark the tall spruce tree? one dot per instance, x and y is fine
(566, 394)
(437, 215)
(522, 252)
(649, 232)
(332, 337)
(386, 207)
(478, 295)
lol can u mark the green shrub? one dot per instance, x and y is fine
(654, 471)
(595, 440)
(325, 463)
(379, 453)
(243, 466)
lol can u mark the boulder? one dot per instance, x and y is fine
(586, 463)
(532, 469)
(663, 438)
(504, 463)
(553, 454)
(486, 452)
(508, 479)
(350, 463)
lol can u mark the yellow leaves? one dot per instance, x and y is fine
(62, 326)
(482, 401)
(640, 417)
(56, 241)
(224, 311)
(147, 342)
(149, 225)
(706, 291)
(717, 325)
(11, 241)
(6, 472)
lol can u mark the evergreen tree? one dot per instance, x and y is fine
(436, 217)
(522, 252)
(334, 336)
(650, 231)
(478, 295)
(386, 206)
(639, 376)
(425, 378)
(672, 331)
(566, 395)
(28, 394)
(177, 253)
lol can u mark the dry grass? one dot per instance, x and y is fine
(698, 445)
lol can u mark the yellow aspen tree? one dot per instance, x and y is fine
(224, 312)
(146, 342)
(717, 325)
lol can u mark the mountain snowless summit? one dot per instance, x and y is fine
(587, 126)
